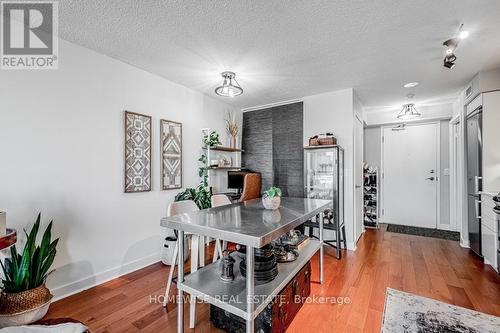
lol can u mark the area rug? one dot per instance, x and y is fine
(426, 232)
(408, 313)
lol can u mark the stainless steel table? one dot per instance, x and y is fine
(246, 223)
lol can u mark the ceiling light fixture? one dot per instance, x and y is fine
(230, 87)
(409, 111)
(449, 61)
(462, 34)
(451, 45)
(411, 84)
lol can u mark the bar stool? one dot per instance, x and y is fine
(175, 208)
(217, 201)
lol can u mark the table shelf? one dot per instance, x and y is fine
(231, 296)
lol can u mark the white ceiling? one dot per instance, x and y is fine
(286, 49)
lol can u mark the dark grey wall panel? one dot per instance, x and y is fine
(272, 140)
(257, 143)
(288, 153)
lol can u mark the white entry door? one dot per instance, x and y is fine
(410, 175)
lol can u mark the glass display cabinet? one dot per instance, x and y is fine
(324, 179)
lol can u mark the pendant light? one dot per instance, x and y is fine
(409, 111)
(230, 87)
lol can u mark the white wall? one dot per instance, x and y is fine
(372, 146)
(491, 142)
(333, 112)
(61, 138)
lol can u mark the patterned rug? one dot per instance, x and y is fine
(426, 232)
(407, 313)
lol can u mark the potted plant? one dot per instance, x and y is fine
(200, 195)
(272, 198)
(25, 298)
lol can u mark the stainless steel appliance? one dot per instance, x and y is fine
(474, 177)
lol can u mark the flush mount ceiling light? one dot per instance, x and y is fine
(409, 111)
(230, 87)
(411, 84)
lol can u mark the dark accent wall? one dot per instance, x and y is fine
(272, 140)
(257, 143)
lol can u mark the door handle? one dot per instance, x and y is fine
(476, 205)
(476, 183)
(430, 178)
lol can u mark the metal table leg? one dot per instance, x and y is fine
(321, 247)
(180, 279)
(250, 288)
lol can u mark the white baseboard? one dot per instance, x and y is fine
(351, 246)
(464, 243)
(102, 277)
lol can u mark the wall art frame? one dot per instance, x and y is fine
(171, 154)
(137, 152)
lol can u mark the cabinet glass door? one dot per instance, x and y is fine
(321, 173)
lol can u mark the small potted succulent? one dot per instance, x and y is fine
(25, 298)
(272, 198)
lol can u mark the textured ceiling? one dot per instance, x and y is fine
(288, 49)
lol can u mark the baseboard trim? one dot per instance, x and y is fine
(351, 246)
(464, 244)
(102, 277)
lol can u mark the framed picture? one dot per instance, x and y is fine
(137, 152)
(171, 154)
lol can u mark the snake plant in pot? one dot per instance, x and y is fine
(25, 298)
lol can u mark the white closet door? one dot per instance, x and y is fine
(410, 171)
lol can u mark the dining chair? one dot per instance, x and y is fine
(217, 201)
(251, 187)
(175, 208)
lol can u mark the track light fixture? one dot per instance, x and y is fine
(451, 45)
(449, 60)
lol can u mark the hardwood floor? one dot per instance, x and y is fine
(429, 267)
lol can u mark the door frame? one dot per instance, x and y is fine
(457, 169)
(358, 233)
(438, 167)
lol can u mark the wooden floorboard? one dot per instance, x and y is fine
(429, 267)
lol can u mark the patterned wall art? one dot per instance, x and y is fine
(137, 152)
(171, 151)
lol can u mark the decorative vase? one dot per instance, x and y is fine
(234, 142)
(24, 307)
(271, 203)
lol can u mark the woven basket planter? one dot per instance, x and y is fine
(24, 307)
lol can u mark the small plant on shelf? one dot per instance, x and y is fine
(211, 140)
(272, 198)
